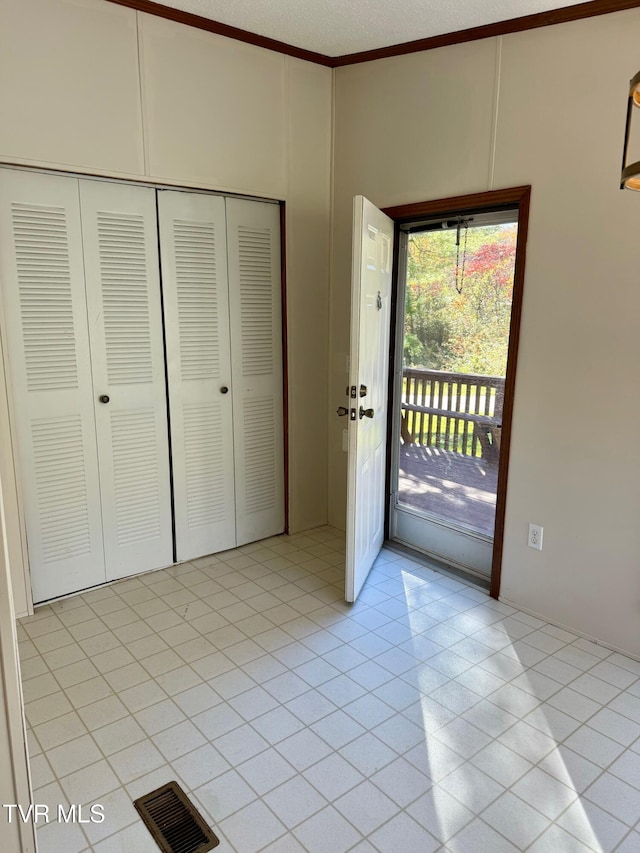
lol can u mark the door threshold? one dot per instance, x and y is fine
(447, 523)
(456, 573)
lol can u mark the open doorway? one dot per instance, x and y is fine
(458, 292)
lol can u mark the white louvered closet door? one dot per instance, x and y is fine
(47, 347)
(253, 240)
(196, 304)
(125, 328)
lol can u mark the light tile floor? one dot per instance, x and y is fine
(427, 717)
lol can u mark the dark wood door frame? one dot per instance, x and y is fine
(516, 198)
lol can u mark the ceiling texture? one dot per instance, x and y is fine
(338, 27)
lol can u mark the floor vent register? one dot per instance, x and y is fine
(174, 822)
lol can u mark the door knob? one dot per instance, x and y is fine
(224, 390)
(104, 398)
(366, 413)
(341, 411)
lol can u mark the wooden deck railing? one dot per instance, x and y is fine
(460, 412)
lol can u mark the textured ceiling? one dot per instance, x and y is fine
(336, 27)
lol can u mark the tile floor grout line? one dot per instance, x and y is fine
(392, 634)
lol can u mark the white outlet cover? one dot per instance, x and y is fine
(535, 536)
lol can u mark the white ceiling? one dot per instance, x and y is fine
(336, 27)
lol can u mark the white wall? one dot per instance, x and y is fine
(93, 87)
(573, 470)
(15, 785)
(422, 127)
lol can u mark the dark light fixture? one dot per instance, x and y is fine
(630, 178)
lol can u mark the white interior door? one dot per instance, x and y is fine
(369, 368)
(47, 348)
(129, 391)
(193, 249)
(253, 240)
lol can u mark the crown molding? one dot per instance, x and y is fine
(564, 15)
(200, 23)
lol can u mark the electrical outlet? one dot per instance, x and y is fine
(535, 536)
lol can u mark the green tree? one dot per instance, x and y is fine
(466, 331)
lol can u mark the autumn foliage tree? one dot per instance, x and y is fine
(466, 331)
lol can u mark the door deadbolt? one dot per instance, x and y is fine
(224, 390)
(104, 398)
(366, 413)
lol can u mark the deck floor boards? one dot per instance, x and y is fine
(458, 488)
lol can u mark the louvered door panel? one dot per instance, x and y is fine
(125, 328)
(194, 273)
(45, 321)
(253, 239)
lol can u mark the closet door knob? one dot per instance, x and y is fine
(104, 398)
(224, 390)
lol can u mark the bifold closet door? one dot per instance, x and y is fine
(129, 389)
(47, 349)
(255, 297)
(196, 305)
